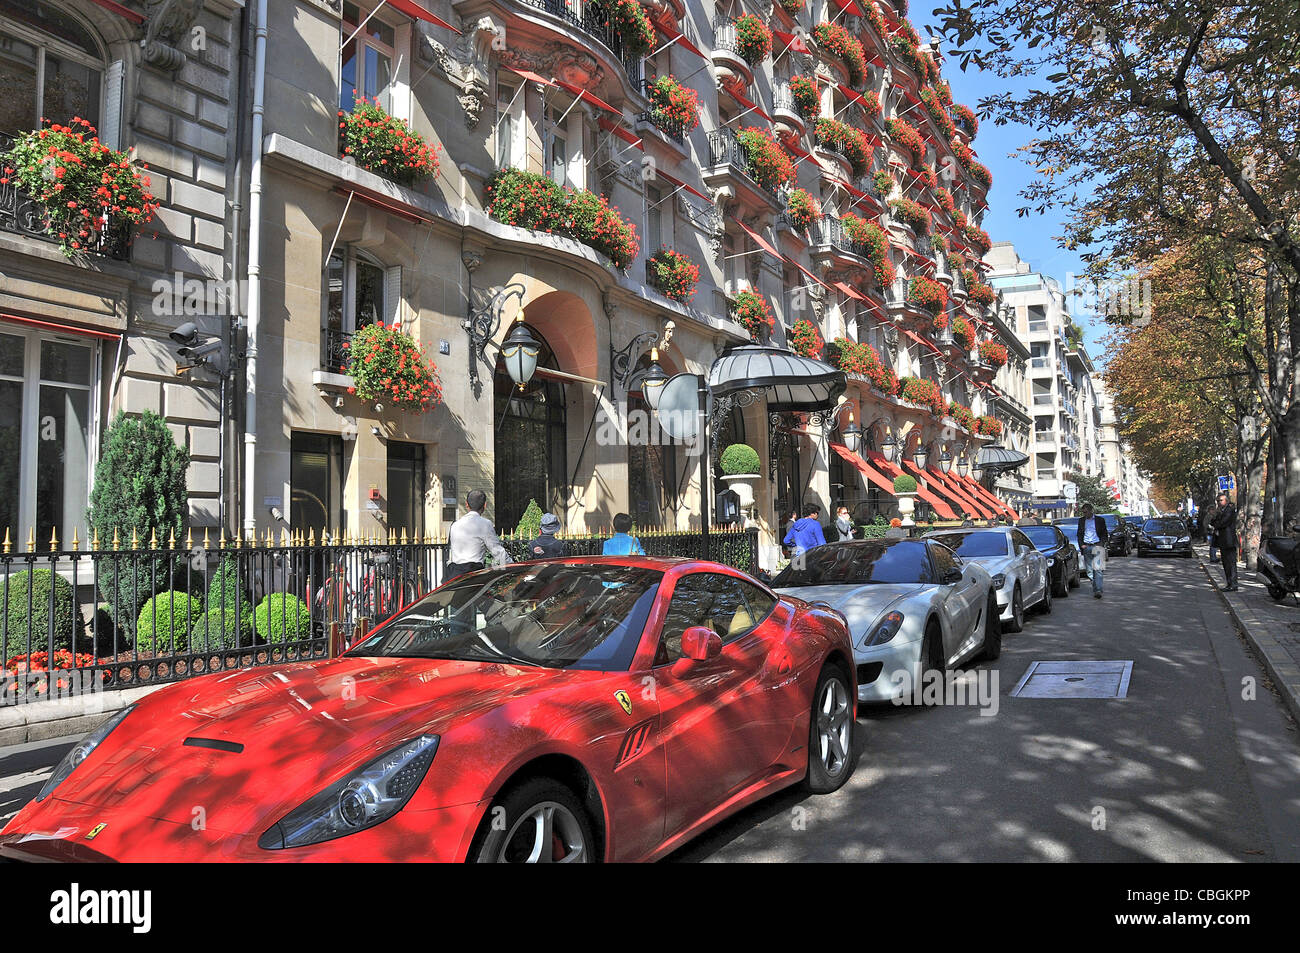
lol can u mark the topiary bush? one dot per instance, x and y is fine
(281, 617)
(904, 484)
(222, 628)
(739, 458)
(165, 622)
(69, 627)
(530, 524)
(225, 588)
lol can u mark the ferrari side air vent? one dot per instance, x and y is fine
(232, 746)
(633, 743)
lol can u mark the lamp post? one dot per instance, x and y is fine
(921, 457)
(653, 380)
(963, 465)
(519, 352)
(889, 448)
(945, 462)
(852, 435)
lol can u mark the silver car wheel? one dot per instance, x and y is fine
(833, 726)
(540, 833)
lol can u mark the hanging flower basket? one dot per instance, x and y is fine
(84, 189)
(962, 414)
(673, 104)
(920, 390)
(388, 366)
(938, 113)
(384, 145)
(532, 200)
(792, 7)
(910, 53)
(928, 293)
(801, 209)
(981, 293)
(807, 99)
(905, 135)
(806, 340)
(978, 238)
(629, 18)
(945, 200)
(914, 214)
(674, 274)
(966, 116)
(764, 159)
(752, 312)
(846, 140)
(753, 39)
(838, 42)
(988, 426)
(993, 353)
(884, 183)
(963, 332)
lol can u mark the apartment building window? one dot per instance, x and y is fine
(358, 291)
(50, 67)
(509, 108)
(654, 223)
(557, 145)
(368, 57)
(47, 388)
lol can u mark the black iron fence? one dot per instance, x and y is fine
(137, 613)
(595, 22)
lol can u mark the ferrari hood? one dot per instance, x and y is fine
(861, 605)
(248, 746)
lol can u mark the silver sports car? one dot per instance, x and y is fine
(913, 607)
(1020, 572)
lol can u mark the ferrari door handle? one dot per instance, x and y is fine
(784, 667)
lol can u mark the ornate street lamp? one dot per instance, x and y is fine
(852, 435)
(963, 465)
(921, 457)
(945, 462)
(653, 380)
(519, 353)
(889, 448)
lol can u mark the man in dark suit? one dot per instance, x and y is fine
(1224, 522)
(1092, 537)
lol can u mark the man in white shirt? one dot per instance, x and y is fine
(471, 538)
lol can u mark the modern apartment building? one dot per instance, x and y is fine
(1119, 472)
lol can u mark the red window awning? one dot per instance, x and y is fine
(790, 41)
(849, 7)
(120, 10)
(960, 494)
(870, 472)
(625, 134)
(878, 458)
(762, 242)
(678, 182)
(680, 38)
(577, 91)
(940, 507)
(920, 340)
(850, 291)
(417, 12)
(750, 105)
(978, 489)
(61, 328)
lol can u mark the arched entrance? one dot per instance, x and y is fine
(531, 456)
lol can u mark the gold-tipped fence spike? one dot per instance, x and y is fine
(94, 539)
(153, 538)
(7, 545)
(189, 539)
(403, 536)
(76, 540)
(206, 547)
(311, 537)
(54, 540)
(171, 538)
(31, 539)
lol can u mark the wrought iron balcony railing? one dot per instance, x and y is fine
(594, 21)
(676, 131)
(334, 357)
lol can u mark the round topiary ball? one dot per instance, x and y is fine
(281, 617)
(35, 586)
(165, 622)
(225, 587)
(739, 458)
(904, 484)
(220, 629)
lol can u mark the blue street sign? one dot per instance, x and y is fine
(1225, 483)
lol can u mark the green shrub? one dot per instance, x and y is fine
(281, 617)
(165, 622)
(530, 524)
(226, 588)
(69, 627)
(221, 628)
(739, 458)
(904, 484)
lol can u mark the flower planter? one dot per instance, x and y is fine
(906, 506)
(742, 484)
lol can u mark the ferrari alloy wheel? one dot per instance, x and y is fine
(538, 822)
(992, 629)
(1017, 621)
(830, 741)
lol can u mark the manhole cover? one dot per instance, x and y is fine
(1048, 679)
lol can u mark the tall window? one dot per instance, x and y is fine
(368, 58)
(654, 227)
(46, 406)
(50, 67)
(507, 96)
(653, 468)
(356, 296)
(557, 145)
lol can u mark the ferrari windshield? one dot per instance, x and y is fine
(976, 544)
(882, 561)
(551, 615)
(1044, 537)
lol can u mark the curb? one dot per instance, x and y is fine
(41, 721)
(1277, 661)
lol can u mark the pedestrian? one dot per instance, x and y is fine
(546, 545)
(843, 526)
(622, 543)
(1208, 524)
(967, 523)
(472, 538)
(1225, 538)
(806, 533)
(1092, 537)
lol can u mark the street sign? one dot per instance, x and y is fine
(1071, 491)
(1225, 483)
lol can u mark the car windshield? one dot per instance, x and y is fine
(551, 615)
(1044, 537)
(1111, 521)
(974, 545)
(871, 561)
(1164, 528)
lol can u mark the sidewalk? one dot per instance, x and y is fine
(1271, 628)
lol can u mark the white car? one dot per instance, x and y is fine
(1021, 574)
(913, 606)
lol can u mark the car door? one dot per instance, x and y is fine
(962, 601)
(719, 716)
(1035, 567)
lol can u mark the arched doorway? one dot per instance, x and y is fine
(531, 457)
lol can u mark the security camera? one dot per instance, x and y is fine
(207, 347)
(187, 335)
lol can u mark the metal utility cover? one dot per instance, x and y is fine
(1049, 679)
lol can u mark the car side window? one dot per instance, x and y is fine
(703, 598)
(944, 560)
(1019, 539)
(761, 603)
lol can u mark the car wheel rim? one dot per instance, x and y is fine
(833, 724)
(1017, 610)
(546, 833)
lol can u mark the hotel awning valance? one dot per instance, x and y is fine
(792, 383)
(870, 472)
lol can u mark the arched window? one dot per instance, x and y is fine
(51, 67)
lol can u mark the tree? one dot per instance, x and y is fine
(1091, 490)
(139, 489)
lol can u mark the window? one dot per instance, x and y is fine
(654, 231)
(50, 66)
(359, 292)
(708, 599)
(406, 481)
(316, 484)
(508, 100)
(557, 145)
(46, 410)
(367, 68)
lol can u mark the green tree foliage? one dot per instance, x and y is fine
(739, 458)
(139, 486)
(35, 586)
(1092, 491)
(530, 524)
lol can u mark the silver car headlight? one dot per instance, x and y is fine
(1051, 561)
(366, 797)
(1184, 539)
(999, 580)
(886, 630)
(80, 752)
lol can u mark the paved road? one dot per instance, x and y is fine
(1183, 768)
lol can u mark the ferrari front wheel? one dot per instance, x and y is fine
(538, 822)
(830, 735)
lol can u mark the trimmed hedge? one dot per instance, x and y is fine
(739, 458)
(165, 622)
(220, 628)
(279, 615)
(904, 484)
(69, 627)
(225, 586)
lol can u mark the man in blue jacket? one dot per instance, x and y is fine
(1092, 538)
(806, 533)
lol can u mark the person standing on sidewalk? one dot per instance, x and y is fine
(472, 538)
(1207, 524)
(1225, 538)
(1092, 536)
(806, 533)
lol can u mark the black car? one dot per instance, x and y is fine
(1134, 526)
(1164, 536)
(1062, 556)
(1117, 541)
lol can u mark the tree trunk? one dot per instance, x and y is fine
(1251, 502)
(1289, 437)
(1270, 526)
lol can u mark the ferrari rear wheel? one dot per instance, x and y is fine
(538, 822)
(830, 736)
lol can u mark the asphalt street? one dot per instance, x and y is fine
(1182, 769)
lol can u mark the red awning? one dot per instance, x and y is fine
(920, 340)
(680, 38)
(940, 507)
(849, 7)
(850, 291)
(870, 472)
(797, 149)
(759, 239)
(120, 10)
(749, 105)
(62, 328)
(678, 182)
(417, 12)
(790, 41)
(588, 97)
(623, 133)
(811, 275)
(959, 493)
(979, 490)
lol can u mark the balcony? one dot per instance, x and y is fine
(789, 121)
(594, 23)
(728, 169)
(828, 233)
(675, 131)
(734, 72)
(334, 350)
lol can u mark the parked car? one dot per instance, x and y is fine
(913, 606)
(1062, 556)
(1019, 570)
(1117, 539)
(1133, 524)
(1164, 536)
(516, 695)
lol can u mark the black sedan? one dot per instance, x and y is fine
(1117, 540)
(1134, 526)
(1062, 556)
(1164, 536)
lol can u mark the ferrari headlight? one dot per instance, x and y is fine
(366, 797)
(886, 630)
(81, 751)
(999, 580)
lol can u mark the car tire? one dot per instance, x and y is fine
(931, 658)
(992, 629)
(1277, 593)
(832, 718)
(1017, 621)
(1062, 585)
(536, 801)
(1074, 579)
(1044, 606)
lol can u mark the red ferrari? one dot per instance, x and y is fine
(565, 710)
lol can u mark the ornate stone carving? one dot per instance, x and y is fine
(466, 62)
(167, 31)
